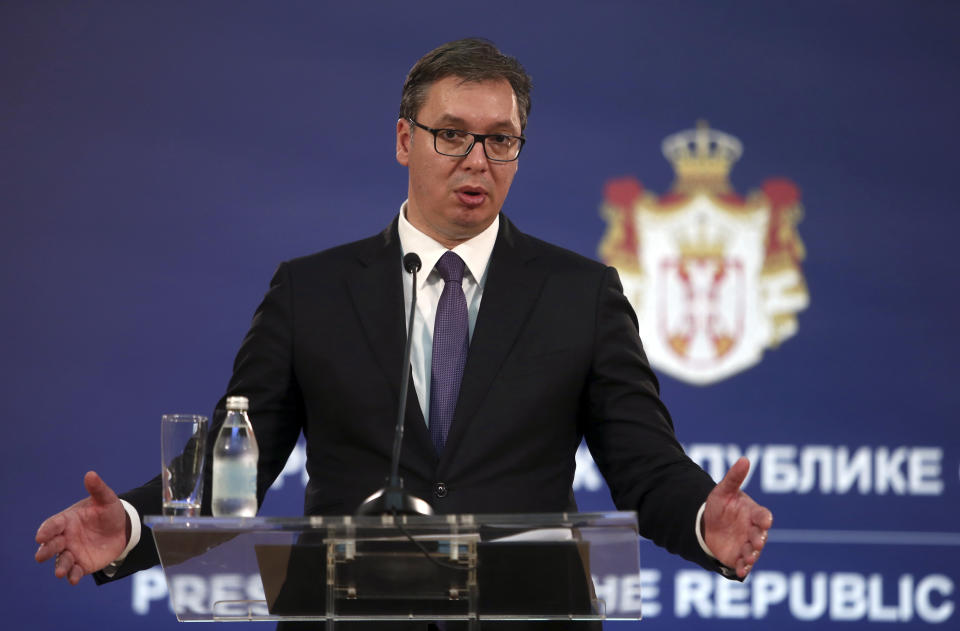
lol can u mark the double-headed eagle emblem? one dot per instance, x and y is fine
(714, 277)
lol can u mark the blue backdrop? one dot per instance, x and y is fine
(157, 160)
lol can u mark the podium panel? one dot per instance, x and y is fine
(435, 568)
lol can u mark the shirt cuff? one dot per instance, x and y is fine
(134, 530)
(696, 528)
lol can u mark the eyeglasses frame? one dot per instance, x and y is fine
(482, 138)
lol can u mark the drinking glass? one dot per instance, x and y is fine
(183, 439)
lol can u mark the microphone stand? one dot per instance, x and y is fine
(393, 499)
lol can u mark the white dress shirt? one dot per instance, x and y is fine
(476, 254)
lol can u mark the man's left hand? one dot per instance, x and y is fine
(735, 527)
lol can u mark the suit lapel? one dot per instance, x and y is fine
(377, 292)
(511, 290)
(376, 288)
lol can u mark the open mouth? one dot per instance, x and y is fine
(471, 196)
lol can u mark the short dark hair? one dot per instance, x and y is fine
(471, 59)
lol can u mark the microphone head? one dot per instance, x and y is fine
(411, 262)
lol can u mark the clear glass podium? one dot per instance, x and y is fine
(433, 568)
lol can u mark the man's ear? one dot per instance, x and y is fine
(403, 141)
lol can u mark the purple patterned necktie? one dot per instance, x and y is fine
(449, 348)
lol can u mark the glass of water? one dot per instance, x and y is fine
(183, 440)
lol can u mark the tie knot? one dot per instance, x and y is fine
(450, 267)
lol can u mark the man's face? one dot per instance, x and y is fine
(454, 199)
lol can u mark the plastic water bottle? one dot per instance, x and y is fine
(235, 464)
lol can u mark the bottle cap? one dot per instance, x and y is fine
(238, 404)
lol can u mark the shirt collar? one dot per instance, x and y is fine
(475, 252)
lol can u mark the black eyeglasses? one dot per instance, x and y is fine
(458, 143)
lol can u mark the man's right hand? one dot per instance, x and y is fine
(86, 537)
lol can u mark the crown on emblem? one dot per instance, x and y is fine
(697, 244)
(701, 158)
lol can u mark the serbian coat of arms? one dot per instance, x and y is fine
(714, 277)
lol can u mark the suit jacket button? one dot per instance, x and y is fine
(440, 489)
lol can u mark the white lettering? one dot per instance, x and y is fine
(779, 469)
(769, 588)
(255, 593)
(856, 469)
(188, 594)
(296, 465)
(887, 468)
(148, 586)
(847, 596)
(926, 610)
(650, 590)
(840, 596)
(710, 458)
(225, 590)
(817, 605)
(586, 477)
(195, 595)
(693, 590)
(606, 591)
(924, 471)
(877, 611)
(906, 597)
(732, 599)
(753, 455)
(810, 456)
(630, 594)
(824, 468)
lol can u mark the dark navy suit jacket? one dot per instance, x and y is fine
(555, 357)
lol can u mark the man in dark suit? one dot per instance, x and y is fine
(545, 352)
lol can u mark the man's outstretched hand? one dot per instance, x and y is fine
(735, 526)
(86, 537)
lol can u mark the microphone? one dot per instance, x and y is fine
(411, 263)
(392, 498)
